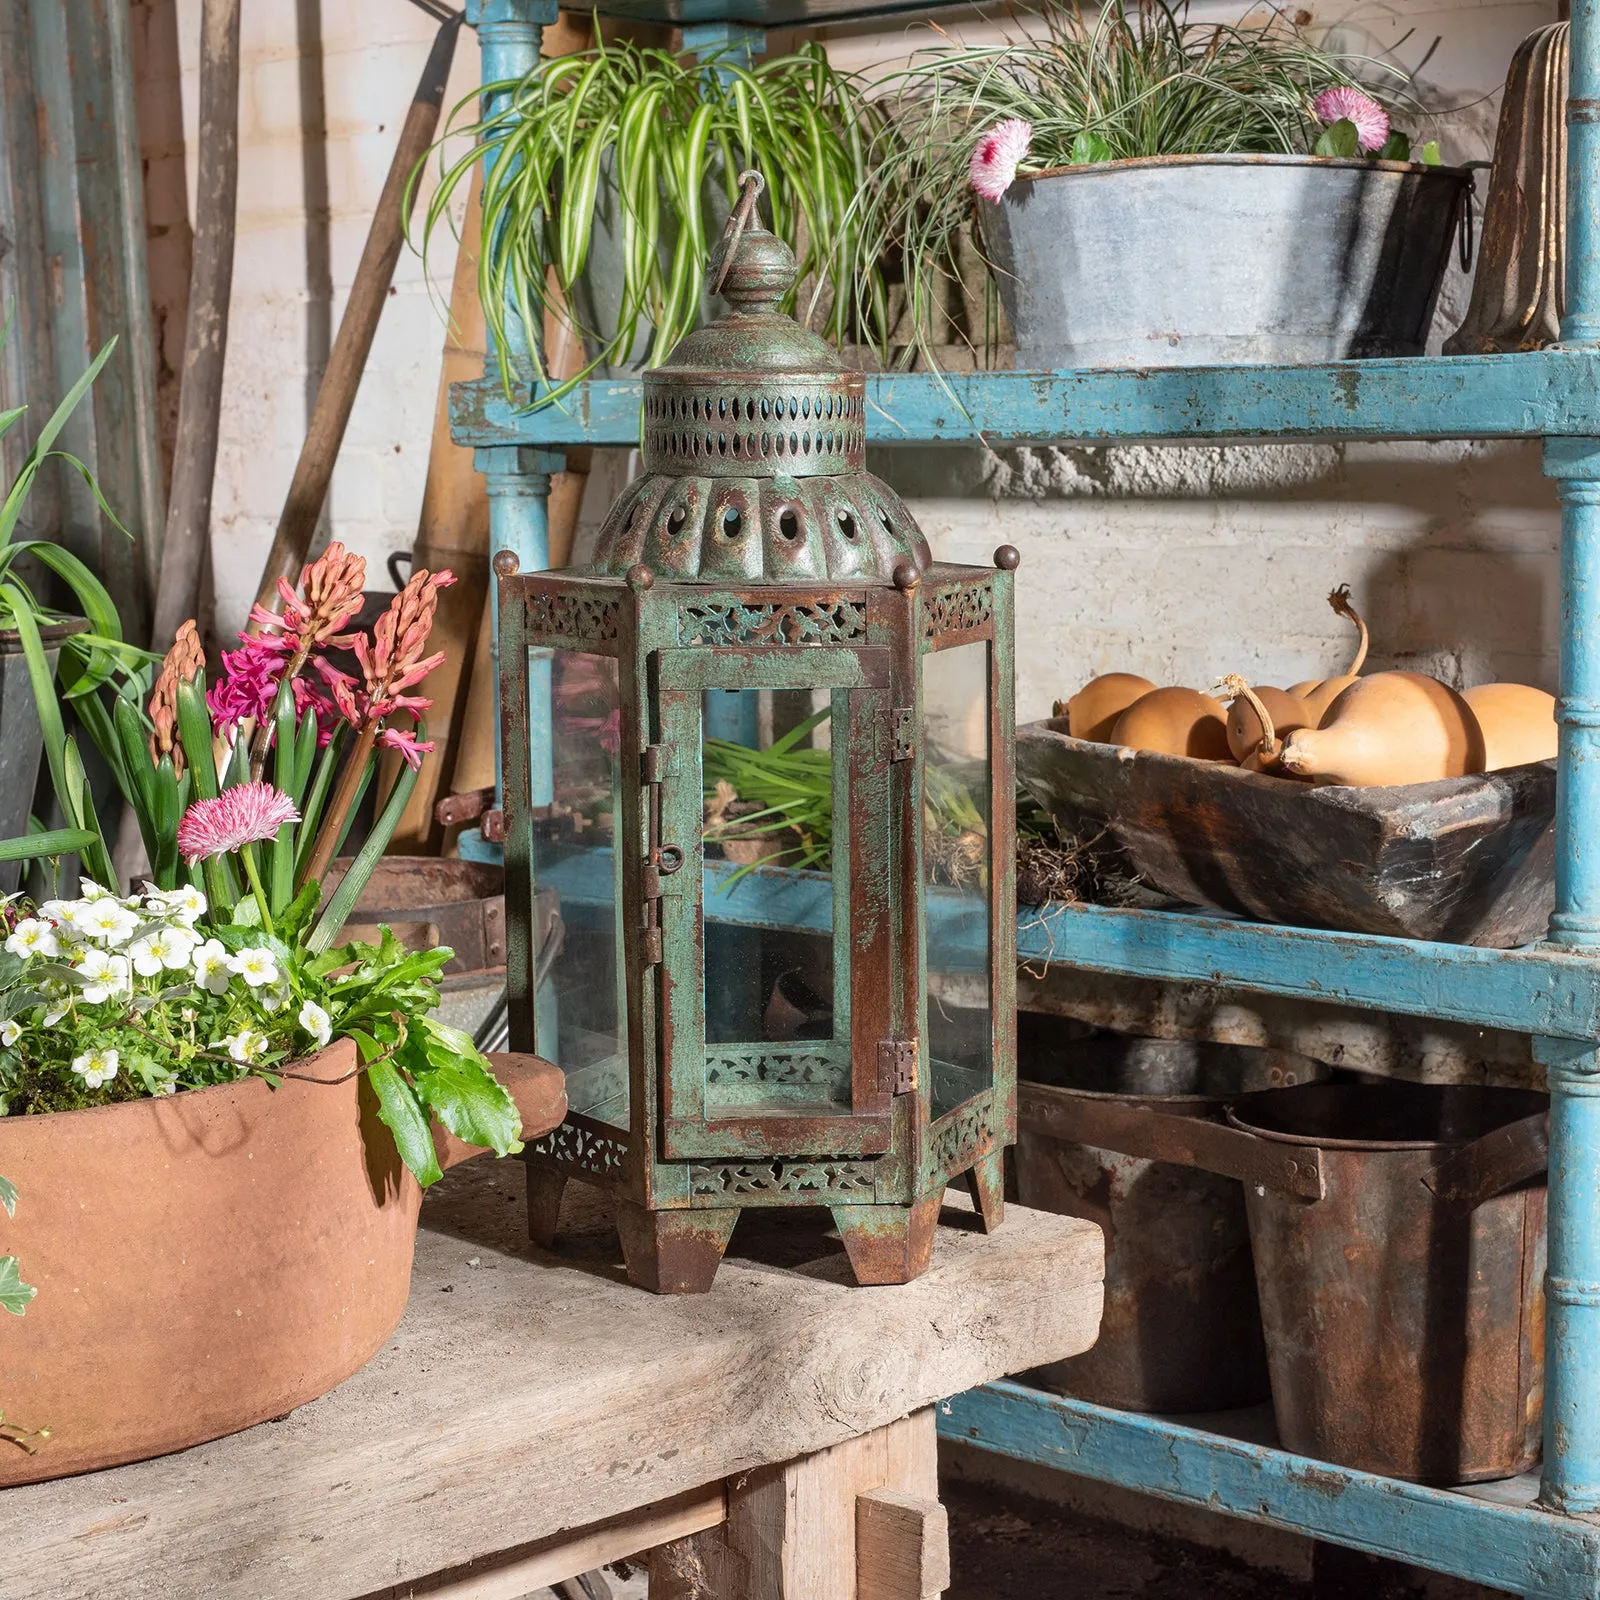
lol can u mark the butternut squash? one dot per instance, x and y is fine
(1093, 711)
(1390, 728)
(1248, 730)
(1518, 723)
(1176, 722)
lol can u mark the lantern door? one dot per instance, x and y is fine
(773, 874)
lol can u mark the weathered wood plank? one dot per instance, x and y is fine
(526, 1394)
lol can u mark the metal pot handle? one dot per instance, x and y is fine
(1500, 1160)
(1154, 1135)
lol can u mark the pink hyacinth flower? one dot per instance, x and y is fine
(994, 161)
(248, 813)
(407, 744)
(1345, 104)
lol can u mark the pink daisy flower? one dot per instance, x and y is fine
(994, 161)
(248, 813)
(1345, 104)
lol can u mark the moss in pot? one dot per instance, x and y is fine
(217, 1120)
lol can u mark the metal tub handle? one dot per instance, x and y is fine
(1500, 1160)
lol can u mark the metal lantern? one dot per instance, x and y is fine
(786, 971)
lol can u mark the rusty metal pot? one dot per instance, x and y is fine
(1404, 1304)
(211, 1259)
(1181, 1329)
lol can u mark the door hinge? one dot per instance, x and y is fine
(897, 1065)
(650, 877)
(902, 733)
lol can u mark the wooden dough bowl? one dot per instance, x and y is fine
(1465, 860)
(209, 1260)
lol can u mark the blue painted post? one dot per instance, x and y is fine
(517, 478)
(1571, 1478)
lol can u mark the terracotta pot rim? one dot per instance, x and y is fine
(124, 1106)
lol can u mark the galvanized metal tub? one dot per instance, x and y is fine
(1181, 1330)
(1222, 260)
(1404, 1309)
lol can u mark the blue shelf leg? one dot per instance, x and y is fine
(1571, 1478)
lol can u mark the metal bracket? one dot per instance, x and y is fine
(902, 733)
(897, 1065)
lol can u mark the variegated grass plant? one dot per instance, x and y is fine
(662, 134)
(1087, 85)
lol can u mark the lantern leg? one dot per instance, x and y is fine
(673, 1252)
(986, 1183)
(546, 1185)
(889, 1244)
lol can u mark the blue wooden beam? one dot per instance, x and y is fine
(1519, 1548)
(1539, 989)
(1524, 396)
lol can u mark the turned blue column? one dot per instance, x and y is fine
(518, 480)
(1571, 1478)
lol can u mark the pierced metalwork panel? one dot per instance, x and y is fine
(782, 1182)
(954, 1142)
(764, 1064)
(716, 424)
(574, 621)
(725, 621)
(957, 609)
(584, 1147)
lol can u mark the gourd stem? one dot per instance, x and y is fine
(1340, 601)
(1269, 748)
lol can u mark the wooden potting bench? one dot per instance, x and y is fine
(1532, 1538)
(535, 1416)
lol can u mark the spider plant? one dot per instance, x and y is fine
(790, 784)
(1096, 85)
(657, 142)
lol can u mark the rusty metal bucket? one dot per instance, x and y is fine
(1399, 1240)
(1181, 1329)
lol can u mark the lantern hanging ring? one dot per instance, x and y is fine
(752, 186)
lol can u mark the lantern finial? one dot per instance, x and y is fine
(750, 268)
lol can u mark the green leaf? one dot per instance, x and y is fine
(355, 880)
(460, 1089)
(14, 1293)
(8, 1196)
(1428, 155)
(1397, 147)
(1087, 148)
(38, 846)
(403, 1115)
(1338, 139)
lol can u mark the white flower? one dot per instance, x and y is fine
(256, 965)
(57, 1011)
(10, 1032)
(56, 910)
(91, 891)
(188, 1013)
(317, 1023)
(109, 976)
(212, 969)
(31, 937)
(246, 1045)
(162, 948)
(274, 998)
(96, 1067)
(187, 904)
(166, 1086)
(106, 920)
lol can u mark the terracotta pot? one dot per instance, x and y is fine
(209, 1260)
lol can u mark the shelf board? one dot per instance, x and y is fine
(1535, 990)
(1542, 393)
(1504, 1540)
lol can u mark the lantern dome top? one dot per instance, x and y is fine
(754, 445)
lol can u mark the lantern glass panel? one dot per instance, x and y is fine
(580, 1005)
(957, 871)
(772, 803)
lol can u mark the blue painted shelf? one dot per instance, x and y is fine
(1544, 393)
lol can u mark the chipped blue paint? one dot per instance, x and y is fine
(1516, 1547)
(1526, 396)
